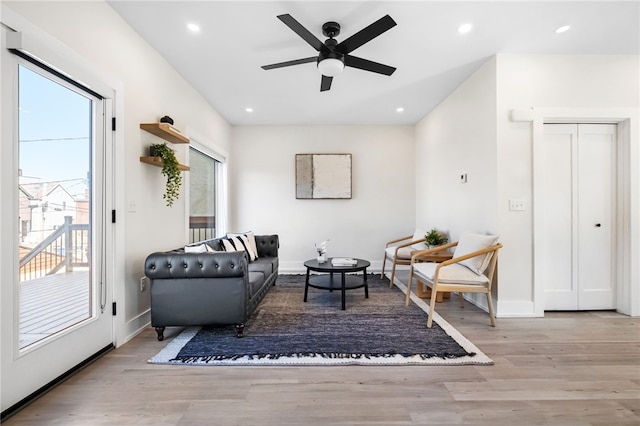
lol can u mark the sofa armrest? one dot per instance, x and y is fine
(196, 265)
(267, 245)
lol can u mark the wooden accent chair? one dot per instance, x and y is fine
(471, 270)
(399, 251)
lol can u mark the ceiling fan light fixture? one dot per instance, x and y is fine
(330, 67)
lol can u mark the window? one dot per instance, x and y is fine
(203, 195)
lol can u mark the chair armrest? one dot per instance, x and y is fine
(398, 240)
(492, 248)
(410, 243)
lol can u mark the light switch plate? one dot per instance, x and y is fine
(463, 178)
(516, 205)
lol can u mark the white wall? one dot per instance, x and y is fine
(458, 137)
(472, 128)
(151, 89)
(263, 199)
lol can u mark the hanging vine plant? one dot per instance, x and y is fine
(170, 170)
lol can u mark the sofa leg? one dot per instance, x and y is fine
(160, 331)
(239, 330)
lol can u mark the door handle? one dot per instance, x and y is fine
(598, 225)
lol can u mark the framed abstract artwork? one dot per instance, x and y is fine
(323, 176)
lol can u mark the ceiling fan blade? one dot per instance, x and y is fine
(297, 27)
(289, 63)
(367, 65)
(326, 83)
(366, 34)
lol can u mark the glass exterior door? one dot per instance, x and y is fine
(56, 125)
(56, 159)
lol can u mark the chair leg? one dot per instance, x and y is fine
(409, 283)
(432, 306)
(461, 300)
(384, 261)
(393, 274)
(491, 315)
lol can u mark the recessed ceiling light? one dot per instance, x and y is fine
(563, 29)
(400, 109)
(249, 109)
(193, 27)
(464, 28)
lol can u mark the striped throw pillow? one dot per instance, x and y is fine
(239, 243)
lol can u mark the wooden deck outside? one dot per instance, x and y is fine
(52, 303)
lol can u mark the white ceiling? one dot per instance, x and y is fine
(223, 60)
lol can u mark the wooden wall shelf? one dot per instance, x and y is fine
(164, 131)
(157, 161)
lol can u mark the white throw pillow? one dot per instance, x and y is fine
(240, 243)
(469, 243)
(199, 248)
(418, 235)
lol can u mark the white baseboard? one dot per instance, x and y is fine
(136, 325)
(515, 309)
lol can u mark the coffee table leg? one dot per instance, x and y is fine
(344, 291)
(366, 286)
(306, 286)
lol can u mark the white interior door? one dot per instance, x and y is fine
(577, 195)
(596, 201)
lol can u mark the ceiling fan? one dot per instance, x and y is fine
(334, 56)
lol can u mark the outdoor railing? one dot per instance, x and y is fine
(201, 228)
(67, 246)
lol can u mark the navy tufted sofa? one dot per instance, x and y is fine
(210, 288)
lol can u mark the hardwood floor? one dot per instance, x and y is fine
(580, 368)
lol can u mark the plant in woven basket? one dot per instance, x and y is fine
(434, 238)
(170, 170)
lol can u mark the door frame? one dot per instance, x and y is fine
(627, 232)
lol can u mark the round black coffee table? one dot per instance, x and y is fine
(328, 281)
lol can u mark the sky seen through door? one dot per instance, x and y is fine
(53, 120)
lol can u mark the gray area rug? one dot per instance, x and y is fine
(284, 330)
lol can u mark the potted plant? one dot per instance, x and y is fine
(434, 238)
(170, 169)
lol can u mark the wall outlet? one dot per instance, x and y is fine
(143, 283)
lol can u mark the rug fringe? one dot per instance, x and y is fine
(276, 356)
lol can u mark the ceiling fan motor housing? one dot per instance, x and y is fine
(330, 54)
(331, 29)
